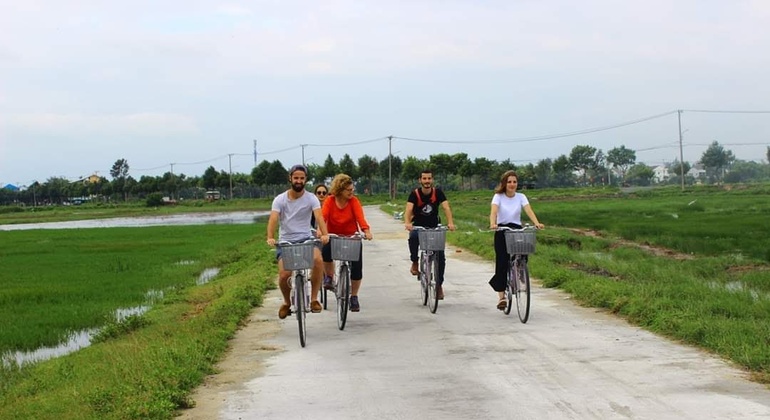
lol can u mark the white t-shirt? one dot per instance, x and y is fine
(509, 208)
(295, 215)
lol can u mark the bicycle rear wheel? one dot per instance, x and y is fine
(433, 284)
(510, 287)
(324, 298)
(424, 275)
(299, 304)
(343, 295)
(522, 291)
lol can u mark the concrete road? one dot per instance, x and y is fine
(396, 360)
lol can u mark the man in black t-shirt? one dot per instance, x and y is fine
(422, 210)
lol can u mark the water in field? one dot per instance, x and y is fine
(82, 339)
(231, 218)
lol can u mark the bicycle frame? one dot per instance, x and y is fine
(429, 270)
(342, 284)
(517, 281)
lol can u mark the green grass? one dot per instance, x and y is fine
(56, 282)
(714, 294)
(146, 367)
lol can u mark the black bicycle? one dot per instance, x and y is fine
(432, 240)
(519, 244)
(345, 249)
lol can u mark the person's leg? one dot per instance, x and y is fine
(283, 284)
(502, 260)
(356, 275)
(316, 274)
(326, 254)
(414, 245)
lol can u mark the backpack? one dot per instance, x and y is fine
(433, 198)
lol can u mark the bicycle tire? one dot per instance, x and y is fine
(510, 287)
(343, 296)
(424, 273)
(522, 292)
(433, 284)
(299, 304)
(324, 297)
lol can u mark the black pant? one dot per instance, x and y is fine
(414, 246)
(502, 260)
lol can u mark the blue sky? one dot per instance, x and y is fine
(84, 83)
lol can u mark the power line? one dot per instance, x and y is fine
(545, 137)
(726, 111)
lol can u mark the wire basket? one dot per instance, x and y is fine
(297, 256)
(346, 249)
(520, 242)
(432, 239)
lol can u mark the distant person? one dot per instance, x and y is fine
(422, 210)
(344, 215)
(321, 192)
(506, 211)
(292, 209)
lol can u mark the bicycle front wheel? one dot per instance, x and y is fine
(522, 291)
(299, 304)
(433, 284)
(343, 295)
(510, 287)
(424, 275)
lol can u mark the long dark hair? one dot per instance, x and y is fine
(504, 180)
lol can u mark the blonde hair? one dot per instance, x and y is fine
(504, 180)
(340, 183)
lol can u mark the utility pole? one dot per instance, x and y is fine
(390, 168)
(303, 153)
(173, 184)
(255, 153)
(230, 159)
(681, 155)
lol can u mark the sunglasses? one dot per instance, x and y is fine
(320, 192)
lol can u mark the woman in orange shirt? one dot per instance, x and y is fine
(344, 216)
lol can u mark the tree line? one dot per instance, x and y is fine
(584, 166)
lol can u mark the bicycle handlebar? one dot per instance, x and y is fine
(524, 229)
(439, 227)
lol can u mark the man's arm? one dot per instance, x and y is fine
(448, 212)
(272, 223)
(321, 223)
(408, 215)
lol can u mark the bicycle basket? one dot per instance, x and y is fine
(520, 242)
(297, 256)
(432, 240)
(346, 249)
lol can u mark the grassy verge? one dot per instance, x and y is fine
(148, 368)
(715, 296)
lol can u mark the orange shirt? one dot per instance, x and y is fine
(346, 220)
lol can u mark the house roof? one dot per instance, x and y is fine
(11, 187)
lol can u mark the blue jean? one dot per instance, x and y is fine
(414, 247)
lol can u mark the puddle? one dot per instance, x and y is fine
(207, 275)
(231, 218)
(75, 342)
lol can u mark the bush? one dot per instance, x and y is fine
(154, 200)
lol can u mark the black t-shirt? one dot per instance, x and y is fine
(427, 215)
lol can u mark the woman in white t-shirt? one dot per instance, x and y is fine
(506, 211)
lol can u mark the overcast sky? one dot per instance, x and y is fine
(183, 84)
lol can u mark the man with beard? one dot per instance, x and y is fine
(422, 210)
(292, 209)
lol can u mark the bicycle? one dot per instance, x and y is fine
(345, 249)
(432, 240)
(298, 257)
(519, 244)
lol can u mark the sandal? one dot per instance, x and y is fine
(502, 304)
